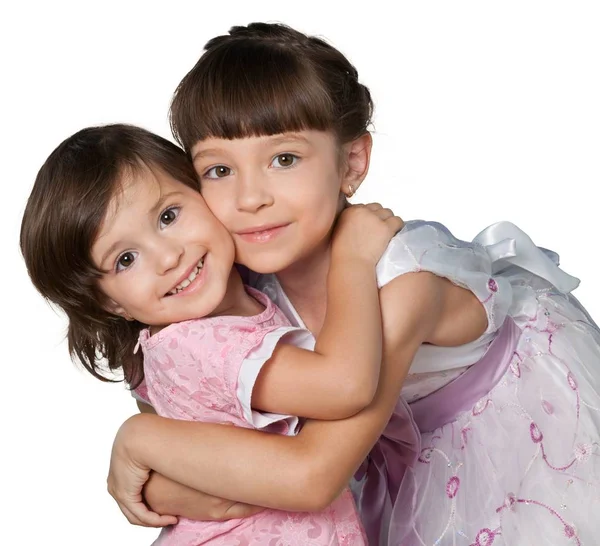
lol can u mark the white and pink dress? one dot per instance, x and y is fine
(496, 442)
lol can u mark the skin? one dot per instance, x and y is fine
(168, 259)
(309, 470)
(155, 233)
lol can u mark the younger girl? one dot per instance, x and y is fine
(505, 384)
(116, 234)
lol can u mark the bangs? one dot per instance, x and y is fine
(248, 91)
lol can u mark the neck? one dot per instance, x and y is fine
(305, 284)
(237, 301)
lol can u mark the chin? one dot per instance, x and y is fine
(266, 263)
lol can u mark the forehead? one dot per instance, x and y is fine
(139, 186)
(136, 193)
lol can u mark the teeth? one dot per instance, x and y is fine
(189, 280)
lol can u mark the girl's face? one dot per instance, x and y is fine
(277, 195)
(168, 258)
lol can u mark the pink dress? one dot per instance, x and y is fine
(204, 370)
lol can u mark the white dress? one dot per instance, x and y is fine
(501, 442)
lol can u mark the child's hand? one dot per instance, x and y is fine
(364, 232)
(125, 482)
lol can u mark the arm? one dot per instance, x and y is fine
(166, 496)
(338, 378)
(308, 471)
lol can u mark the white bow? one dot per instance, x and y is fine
(506, 244)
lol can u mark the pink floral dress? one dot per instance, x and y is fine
(204, 370)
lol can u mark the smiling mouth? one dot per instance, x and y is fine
(188, 280)
(260, 229)
(262, 234)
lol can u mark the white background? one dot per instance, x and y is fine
(485, 111)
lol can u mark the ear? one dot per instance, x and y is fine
(115, 309)
(356, 160)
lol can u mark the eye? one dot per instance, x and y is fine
(168, 216)
(220, 171)
(284, 161)
(125, 260)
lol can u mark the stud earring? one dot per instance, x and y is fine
(351, 190)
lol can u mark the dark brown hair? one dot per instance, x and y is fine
(266, 79)
(62, 219)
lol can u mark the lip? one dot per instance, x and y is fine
(193, 284)
(261, 234)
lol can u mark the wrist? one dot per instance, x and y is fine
(351, 258)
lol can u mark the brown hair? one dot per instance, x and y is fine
(267, 79)
(62, 219)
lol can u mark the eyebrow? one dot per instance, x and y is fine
(290, 138)
(287, 138)
(112, 248)
(161, 201)
(153, 211)
(207, 153)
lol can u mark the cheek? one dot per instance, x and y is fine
(125, 290)
(108, 287)
(219, 202)
(321, 202)
(317, 222)
(224, 237)
(112, 296)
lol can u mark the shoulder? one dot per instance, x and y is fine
(430, 246)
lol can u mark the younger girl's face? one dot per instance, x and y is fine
(277, 195)
(168, 258)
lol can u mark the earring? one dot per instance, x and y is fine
(351, 190)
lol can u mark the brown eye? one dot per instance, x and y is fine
(285, 160)
(125, 260)
(168, 216)
(219, 171)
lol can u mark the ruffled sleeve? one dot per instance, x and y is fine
(429, 246)
(250, 369)
(140, 393)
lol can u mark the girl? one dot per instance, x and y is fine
(117, 235)
(505, 392)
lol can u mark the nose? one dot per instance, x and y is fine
(253, 193)
(168, 254)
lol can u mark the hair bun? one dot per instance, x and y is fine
(264, 30)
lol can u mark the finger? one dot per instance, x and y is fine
(395, 223)
(146, 518)
(373, 206)
(129, 515)
(384, 214)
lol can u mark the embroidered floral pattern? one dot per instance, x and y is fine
(191, 372)
(522, 464)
